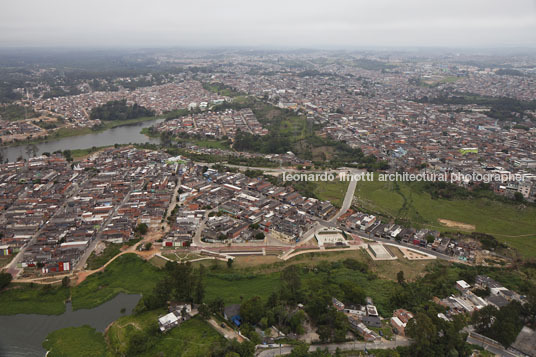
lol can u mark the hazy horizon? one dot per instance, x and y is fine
(339, 24)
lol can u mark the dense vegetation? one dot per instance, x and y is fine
(502, 325)
(119, 110)
(509, 72)
(502, 108)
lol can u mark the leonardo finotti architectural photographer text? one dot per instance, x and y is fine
(402, 177)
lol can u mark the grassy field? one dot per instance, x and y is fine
(96, 261)
(267, 265)
(128, 274)
(508, 222)
(75, 341)
(234, 285)
(24, 299)
(333, 191)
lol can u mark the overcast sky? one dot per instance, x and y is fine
(274, 23)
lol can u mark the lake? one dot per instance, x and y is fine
(119, 135)
(23, 334)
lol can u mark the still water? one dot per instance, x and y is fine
(23, 334)
(120, 135)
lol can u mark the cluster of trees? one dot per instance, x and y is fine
(181, 283)
(509, 72)
(501, 325)
(434, 336)
(281, 308)
(141, 228)
(447, 190)
(119, 110)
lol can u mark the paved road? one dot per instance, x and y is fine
(347, 346)
(348, 198)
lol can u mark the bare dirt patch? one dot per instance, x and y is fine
(459, 225)
(413, 255)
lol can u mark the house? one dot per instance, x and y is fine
(462, 286)
(179, 314)
(400, 319)
(367, 334)
(337, 304)
(372, 318)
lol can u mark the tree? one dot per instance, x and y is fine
(400, 277)
(422, 329)
(259, 236)
(141, 228)
(252, 310)
(300, 350)
(65, 282)
(204, 311)
(199, 292)
(291, 283)
(5, 279)
(518, 197)
(217, 305)
(230, 263)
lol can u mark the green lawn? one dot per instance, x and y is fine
(75, 341)
(127, 274)
(508, 222)
(24, 299)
